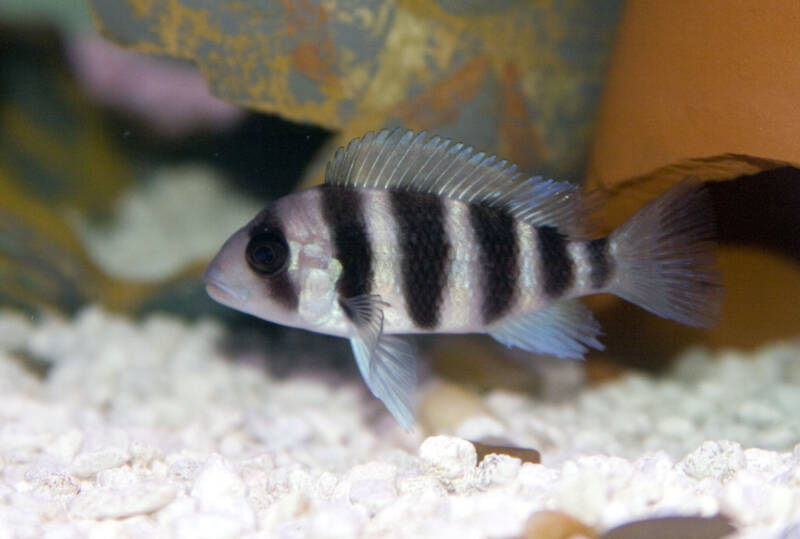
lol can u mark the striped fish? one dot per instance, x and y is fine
(411, 234)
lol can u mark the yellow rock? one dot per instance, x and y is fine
(556, 525)
(448, 405)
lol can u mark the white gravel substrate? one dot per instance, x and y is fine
(147, 430)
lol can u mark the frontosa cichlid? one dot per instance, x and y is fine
(411, 234)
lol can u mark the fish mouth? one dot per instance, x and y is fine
(218, 290)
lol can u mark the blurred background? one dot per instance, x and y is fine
(136, 136)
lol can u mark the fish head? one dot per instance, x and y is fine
(280, 267)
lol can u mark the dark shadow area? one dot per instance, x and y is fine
(761, 209)
(264, 155)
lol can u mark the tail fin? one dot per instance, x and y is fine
(665, 260)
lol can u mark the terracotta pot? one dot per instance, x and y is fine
(698, 79)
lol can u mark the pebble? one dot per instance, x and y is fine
(497, 470)
(335, 522)
(749, 502)
(117, 477)
(218, 487)
(716, 460)
(357, 484)
(446, 406)
(58, 484)
(278, 432)
(556, 525)
(673, 527)
(140, 499)
(198, 446)
(183, 467)
(426, 486)
(502, 447)
(372, 494)
(207, 526)
(766, 462)
(447, 457)
(87, 465)
(67, 444)
(142, 454)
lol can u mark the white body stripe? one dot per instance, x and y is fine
(529, 296)
(460, 308)
(582, 282)
(387, 279)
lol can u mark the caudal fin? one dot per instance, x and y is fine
(665, 260)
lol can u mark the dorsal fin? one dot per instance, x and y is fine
(400, 159)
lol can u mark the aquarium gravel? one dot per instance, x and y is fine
(117, 428)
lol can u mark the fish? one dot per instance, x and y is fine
(411, 233)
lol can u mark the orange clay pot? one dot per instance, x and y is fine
(696, 79)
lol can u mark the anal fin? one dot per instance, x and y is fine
(566, 329)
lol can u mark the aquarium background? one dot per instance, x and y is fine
(88, 123)
(136, 135)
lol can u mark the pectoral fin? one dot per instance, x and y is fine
(388, 364)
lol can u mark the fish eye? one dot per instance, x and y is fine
(267, 253)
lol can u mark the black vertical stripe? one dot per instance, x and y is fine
(343, 213)
(279, 286)
(599, 262)
(499, 258)
(424, 253)
(556, 265)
